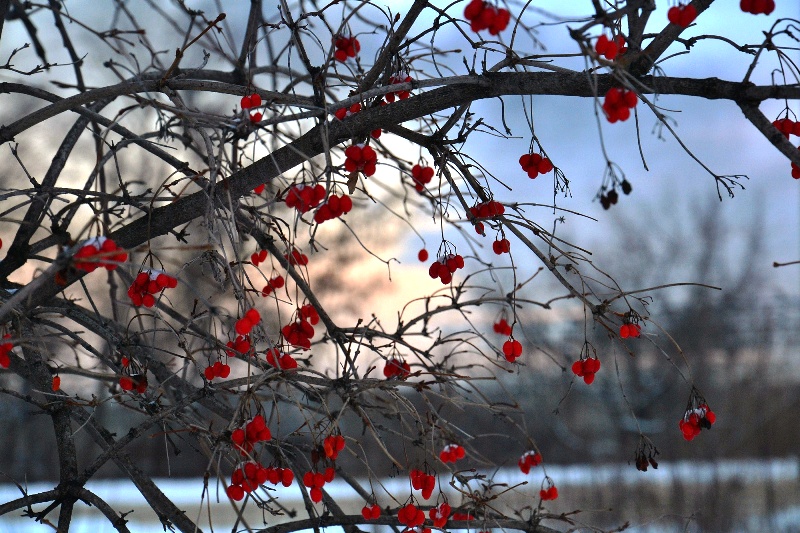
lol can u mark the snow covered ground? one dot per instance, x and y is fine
(752, 481)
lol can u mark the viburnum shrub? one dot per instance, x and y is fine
(294, 349)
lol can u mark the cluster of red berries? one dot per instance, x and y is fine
(484, 16)
(296, 257)
(631, 330)
(360, 157)
(5, 349)
(440, 514)
(618, 103)
(489, 209)
(135, 382)
(535, 164)
(241, 344)
(345, 47)
(99, 252)
(299, 332)
(423, 481)
(258, 257)
(586, 369)
(502, 327)
(276, 475)
(402, 95)
(316, 480)
(345, 112)
(682, 15)
(410, 516)
(452, 453)
(282, 361)
(421, 176)
(245, 324)
(694, 420)
(549, 493)
(251, 475)
(396, 368)
(217, 370)
(253, 432)
(250, 101)
(608, 199)
(788, 127)
(335, 207)
(756, 7)
(501, 246)
(645, 456)
(272, 285)
(529, 459)
(371, 512)
(610, 48)
(445, 267)
(147, 284)
(332, 445)
(305, 197)
(512, 349)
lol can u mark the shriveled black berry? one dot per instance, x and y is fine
(626, 187)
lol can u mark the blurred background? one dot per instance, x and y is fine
(741, 343)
